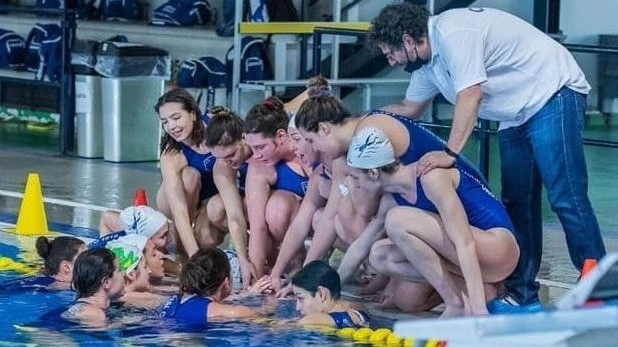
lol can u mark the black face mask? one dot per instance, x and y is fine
(418, 63)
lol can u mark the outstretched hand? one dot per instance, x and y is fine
(285, 291)
(261, 286)
(248, 273)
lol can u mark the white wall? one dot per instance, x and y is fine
(582, 22)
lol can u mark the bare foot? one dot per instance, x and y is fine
(452, 311)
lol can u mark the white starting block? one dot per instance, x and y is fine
(570, 324)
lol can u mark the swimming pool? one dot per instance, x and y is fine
(26, 320)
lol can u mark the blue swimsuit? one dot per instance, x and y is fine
(103, 240)
(423, 141)
(290, 180)
(242, 178)
(484, 211)
(195, 309)
(343, 319)
(204, 163)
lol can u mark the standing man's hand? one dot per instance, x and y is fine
(435, 159)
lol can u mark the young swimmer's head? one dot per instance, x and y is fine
(301, 147)
(265, 129)
(59, 254)
(129, 250)
(224, 136)
(181, 119)
(318, 114)
(147, 222)
(207, 273)
(316, 286)
(370, 153)
(98, 270)
(155, 261)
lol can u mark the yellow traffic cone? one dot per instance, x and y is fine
(32, 219)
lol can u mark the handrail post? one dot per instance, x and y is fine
(235, 104)
(483, 131)
(67, 87)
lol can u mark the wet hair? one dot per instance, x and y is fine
(91, 268)
(189, 104)
(61, 248)
(224, 128)
(267, 118)
(204, 272)
(318, 274)
(396, 20)
(321, 106)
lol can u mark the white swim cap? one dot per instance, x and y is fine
(129, 250)
(142, 220)
(292, 122)
(234, 268)
(370, 149)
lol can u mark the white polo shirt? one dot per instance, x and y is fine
(518, 66)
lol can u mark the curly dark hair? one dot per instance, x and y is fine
(394, 21)
(204, 272)
(267, 118)
(321, 106)
(224, 128)
(183, 97)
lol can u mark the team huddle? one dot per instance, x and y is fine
(415, 221)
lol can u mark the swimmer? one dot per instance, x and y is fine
(59, 255)
(205, 282)
(317, 287)
(98, 280)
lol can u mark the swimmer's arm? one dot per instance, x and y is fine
(325, 233)
(321, 319)
(299, 229)
(360, 248)
(408, 108)
(257, 193)
(110, 222)
(440, 188)
(171, 168)
(225, 180)
(219, 310)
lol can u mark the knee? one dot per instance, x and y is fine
(191, 179)
(279, 210)
(216, 211)
(317, 216)
(378, 256)
(393, 224)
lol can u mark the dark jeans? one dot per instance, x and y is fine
(548, 149)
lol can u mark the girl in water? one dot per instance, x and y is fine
(59, 255)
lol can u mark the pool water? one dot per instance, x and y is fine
(30, 316)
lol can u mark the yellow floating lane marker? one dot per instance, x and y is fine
(8, 264)
(379, 336)
(298, 27)
(393, 340)
(346, 333)
(362, 334)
